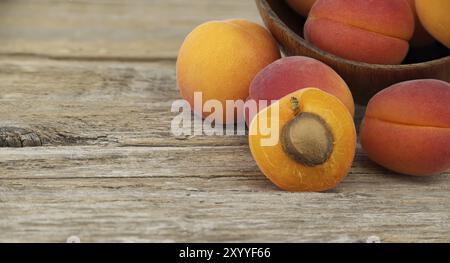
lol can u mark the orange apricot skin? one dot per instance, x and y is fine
(221, 58)
(421, 37)
(285, 172)
(435, 18)
(374, 32)
(407, 128)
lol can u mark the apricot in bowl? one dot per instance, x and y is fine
(364, 79)
(421, 37)
(434, 15)
(407, 127)
(301, 6)
(316, 141)
(376, 32)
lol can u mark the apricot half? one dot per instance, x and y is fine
(314, 145)
(407, 127)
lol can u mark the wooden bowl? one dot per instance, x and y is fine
(365, 80)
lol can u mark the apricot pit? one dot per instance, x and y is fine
(307, 139)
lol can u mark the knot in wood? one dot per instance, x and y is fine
(18, 137)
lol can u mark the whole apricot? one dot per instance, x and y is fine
(407, 127)
(289, 74)
(421, 37)
(314, 145)
(301, 6)
(221, 58)
(434, 15)
(376, 32)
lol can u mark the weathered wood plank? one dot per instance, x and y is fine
(97, 162)
(18, 137)
(66, 103)
(64, 80)
(111, 29)
(223, 209)
(157, 194)
(94, 103)
(118, 162)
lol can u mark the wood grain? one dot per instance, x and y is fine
(69, 102)
(108, 29)
(118, 162)
(92, 82)
(88, 103)
(155, 194)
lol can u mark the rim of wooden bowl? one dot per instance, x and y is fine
(264, 4)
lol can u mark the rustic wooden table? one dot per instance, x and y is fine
(91, 84)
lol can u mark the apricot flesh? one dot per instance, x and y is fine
(434, 15)
(374, 32)
(221, 58)
(407, 128)
(301, 6)
(289, 74)
(292, 174)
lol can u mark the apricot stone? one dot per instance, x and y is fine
(221, 58)
(407, 127)
(289, 74)
(374, 32)
(435, 17)
(301, 6)
(316, 141)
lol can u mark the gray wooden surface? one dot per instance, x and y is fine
(90, 83)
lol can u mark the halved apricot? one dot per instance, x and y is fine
(315, 141)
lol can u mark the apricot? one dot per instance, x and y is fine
(434, 15)
(421, 37)
(407, 127)
(301, 6)
(374, 32)
(221, 58)
(316, 141)
(289, 74)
